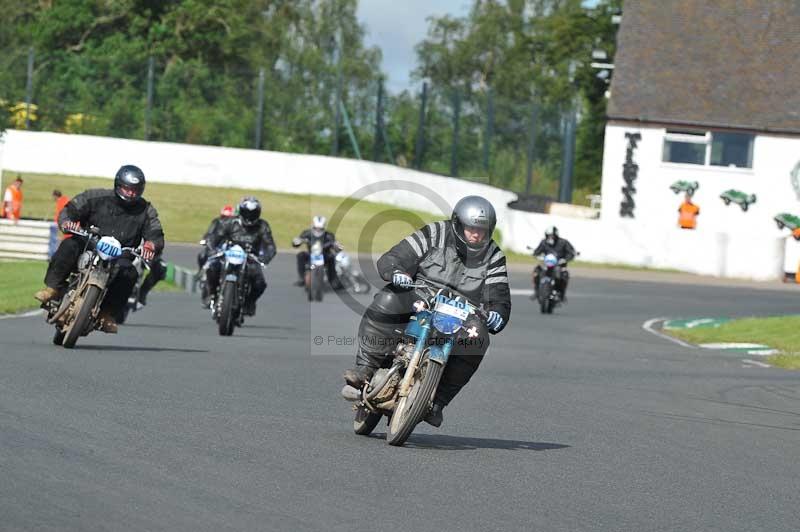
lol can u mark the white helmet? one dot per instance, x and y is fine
(319, 222)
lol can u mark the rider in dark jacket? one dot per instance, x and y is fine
(459, 253)
(122, 213)
(216, 224)
(564, 252)
(329, 251)
(255, 236)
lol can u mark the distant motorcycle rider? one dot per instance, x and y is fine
(329, 251)
(459, 253)
(564, 252)
(255, 236)
(122, 213)
(224, 214)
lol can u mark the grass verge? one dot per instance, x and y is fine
(185, 211)
(18, 281)
(527, 258)
(779, 332)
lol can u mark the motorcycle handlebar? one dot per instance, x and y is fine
(94, 234)
(433, 285)
(255, 259)
(219, 254)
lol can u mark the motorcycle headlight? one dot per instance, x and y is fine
(446, 324)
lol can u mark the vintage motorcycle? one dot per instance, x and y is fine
(227, 305)
(349, 274)
(404, 389)
(314, 277)
(76, 313)
(547, 294)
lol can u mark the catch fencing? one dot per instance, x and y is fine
(518, 143)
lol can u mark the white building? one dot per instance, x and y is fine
(706, 91)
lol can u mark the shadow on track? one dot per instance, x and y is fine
(134, 349)
(262, 336)
(277, 327)
(158, 326)
(459, 443)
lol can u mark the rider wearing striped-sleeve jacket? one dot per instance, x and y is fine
(459, 253)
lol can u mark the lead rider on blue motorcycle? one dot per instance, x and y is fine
(254, 235)
(458, 253)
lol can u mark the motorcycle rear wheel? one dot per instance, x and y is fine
(81, 321)
(412, 409)
(365, 421)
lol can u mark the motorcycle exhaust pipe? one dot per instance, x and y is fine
(351, 394)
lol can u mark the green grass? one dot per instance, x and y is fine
(18, 281)
(780, 332)
(186, 211)
(513, 256)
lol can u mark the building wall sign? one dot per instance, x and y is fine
(630, 171)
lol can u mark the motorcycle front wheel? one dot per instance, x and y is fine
(412, 409)
(226, 319)
(545, 302)
(317, 283)
(81, 321)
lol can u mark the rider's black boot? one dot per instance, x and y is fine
(357, 376)
(435, 417)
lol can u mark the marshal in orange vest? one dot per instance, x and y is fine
(687, 214)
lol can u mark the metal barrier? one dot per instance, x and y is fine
(182, 277)
(27, 239)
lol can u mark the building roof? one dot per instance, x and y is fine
(713, 63)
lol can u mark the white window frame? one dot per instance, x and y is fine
(704, 137)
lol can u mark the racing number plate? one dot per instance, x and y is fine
(451, 310)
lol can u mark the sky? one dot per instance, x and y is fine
(396, 26)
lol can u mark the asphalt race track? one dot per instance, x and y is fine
(577, 421)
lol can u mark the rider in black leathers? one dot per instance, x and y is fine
(255, 236)
(329, 251)
(122, 213)
(216, 224)
(564, 252)
(459, 253)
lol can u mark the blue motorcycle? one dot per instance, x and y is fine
(404, 391)
(227, 305)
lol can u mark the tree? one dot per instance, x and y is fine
(530, 53)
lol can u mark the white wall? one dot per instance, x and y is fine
(651, 239)
(631, 243)
(164, 162)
